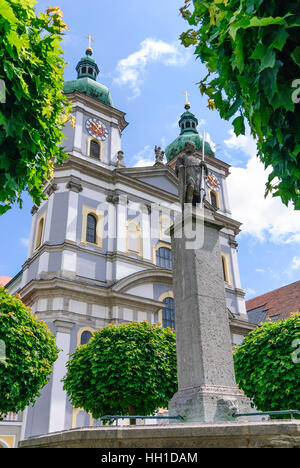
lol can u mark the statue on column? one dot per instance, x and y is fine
(191, 173)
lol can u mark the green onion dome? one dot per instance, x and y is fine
(87, 72)
(188, 132)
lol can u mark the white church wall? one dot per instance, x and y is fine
(100, 311)
(58, 303)
(143, 290)
(77, 307)
(125, 269)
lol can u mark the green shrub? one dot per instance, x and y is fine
(267, 365)
(124, 369)
(28, 352)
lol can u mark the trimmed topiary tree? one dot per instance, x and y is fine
(267, 365)
(124, 369)
(27, 354)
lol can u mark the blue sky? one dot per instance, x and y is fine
(147, 70)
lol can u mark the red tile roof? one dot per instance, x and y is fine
(4, 280)
(284, 301)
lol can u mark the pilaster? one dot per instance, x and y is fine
(58, 395)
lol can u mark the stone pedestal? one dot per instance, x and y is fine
(207, 390)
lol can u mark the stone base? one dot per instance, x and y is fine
(275, 434)
(209, 404)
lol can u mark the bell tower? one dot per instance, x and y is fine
(98, 129)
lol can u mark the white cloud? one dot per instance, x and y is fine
(260, 270)
(131, 70)
(243, 142)
(262, 218)
(201, 122)
(24, 241)
(143, 158)
(211, 142)
(296, 263)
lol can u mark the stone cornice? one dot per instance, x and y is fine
(150, 171)
(240, 326)
(229, 223)
(114, 177)
(85, 292)
(236, 292)
(73, 246)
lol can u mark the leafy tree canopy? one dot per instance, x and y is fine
(33, 108)
(27, 353)
(252, 54)
(267, 365)
(125, 369)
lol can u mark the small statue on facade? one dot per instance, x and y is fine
(120, 159)
(191, 172)
(159, 154)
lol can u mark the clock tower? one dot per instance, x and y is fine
(99, 126)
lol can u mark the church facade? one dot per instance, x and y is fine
(98, 250)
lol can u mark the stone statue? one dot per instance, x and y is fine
(191, 173)
(120, 159)
(159, 154)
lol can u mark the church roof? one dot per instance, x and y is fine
(4, 280)
(275, 305)
(178, 145)
(90, 88)
(87, 72)
(188, 132)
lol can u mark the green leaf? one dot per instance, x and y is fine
(239, 125)
(7, 12)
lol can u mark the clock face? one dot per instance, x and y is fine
(213, 182)
(96, 129)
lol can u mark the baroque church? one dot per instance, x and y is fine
(99, 251)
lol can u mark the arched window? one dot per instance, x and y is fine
(168, 313)
(90, 71)
(39, 232)
(225, 267)
(164, 258)
(94, 149)
(83, 70)
(188, 124)
(91, 227)
(85, 337)
(213, 199)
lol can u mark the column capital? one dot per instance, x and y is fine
(63, 326)
(51, 189)
(74, 185)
